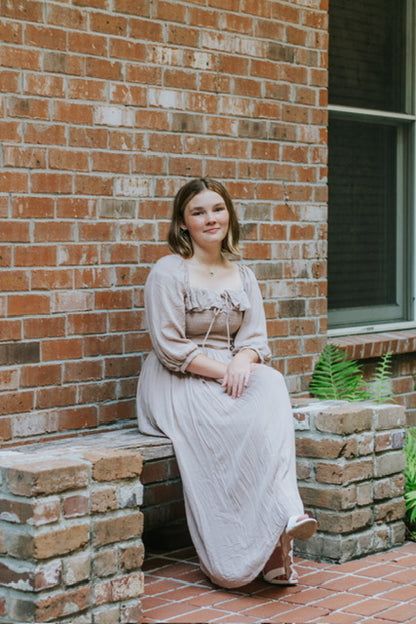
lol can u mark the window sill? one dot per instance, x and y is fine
(362, 346)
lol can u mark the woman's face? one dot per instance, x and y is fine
(206, 218)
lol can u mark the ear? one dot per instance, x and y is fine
(183, 227)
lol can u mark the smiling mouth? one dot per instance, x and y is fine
(212, 230)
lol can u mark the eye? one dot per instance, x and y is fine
(219, 208)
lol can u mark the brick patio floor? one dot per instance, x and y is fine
(379, 589)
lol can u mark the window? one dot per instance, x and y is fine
(371, 145)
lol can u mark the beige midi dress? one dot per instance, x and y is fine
(236, 456)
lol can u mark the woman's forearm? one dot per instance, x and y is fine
(206, 367)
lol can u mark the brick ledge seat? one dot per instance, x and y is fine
(71, 510)
(128, 438)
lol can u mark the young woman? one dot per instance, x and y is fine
(206, 387)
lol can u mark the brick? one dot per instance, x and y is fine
(36, 513)
(19, 353)
(338, 499)
(47, 575)
(112, 465)
(391, 487)
(130, 495)
(75, 506)
(43, 327)
(123, 588)
(107, 614)
(118, 529)
(390, 417)
(20, 609)
(344, 420)
(60, 542)
(390, 511)
(35, 255)
(345, 473)
(69, 348)
(389, 463)
(103, 500)
(58, 475)
(106, 562)
(9, 379)
(132, 557)
(326, 448)
(12, 403)
(80, 417)
(66, 603)
(77, 568)
(132, 613)
(346, 522)
(14, 577)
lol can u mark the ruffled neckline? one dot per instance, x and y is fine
(199, 299)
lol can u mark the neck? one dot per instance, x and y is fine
(208, 257)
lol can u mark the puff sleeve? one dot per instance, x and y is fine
(253, 333)
(165, 315)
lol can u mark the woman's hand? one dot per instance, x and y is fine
(238, 372)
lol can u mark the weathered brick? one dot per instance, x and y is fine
(346, 522)
(59, 542)
(390, 417)
(106, 562)
(130, 495)
(111, 465)
(389, 463)
(121, 588)
(117, 529)
(356, 470)
(328, 498)
(75, 506)
(107, 615)
(391, 487)
(345, 420)
(66, 603)
(57, 475)
(77, 568)
(131, 613)
(103, 500)
(132, 557)
(36, 512)
(390, 511)
(326, 448)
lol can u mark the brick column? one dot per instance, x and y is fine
(70, 536)
(350, 470)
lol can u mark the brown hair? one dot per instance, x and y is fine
(179, 240)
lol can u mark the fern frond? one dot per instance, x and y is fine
(410, 454)
(379, 388)
(410, 503)
(337, 378)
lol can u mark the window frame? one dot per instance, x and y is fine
(406, 202)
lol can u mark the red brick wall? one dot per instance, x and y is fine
(106, 107)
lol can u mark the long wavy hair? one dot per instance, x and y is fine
(179, 239)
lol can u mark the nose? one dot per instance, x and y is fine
(211, 216)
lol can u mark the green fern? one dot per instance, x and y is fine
(410, 501)
(379, 388)
(410, 481)
(410, 453)
(337, 378)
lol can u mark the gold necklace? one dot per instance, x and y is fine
(210, 271)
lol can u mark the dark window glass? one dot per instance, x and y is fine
(367, 54)
(362, 214)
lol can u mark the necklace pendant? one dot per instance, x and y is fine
(212, 273)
